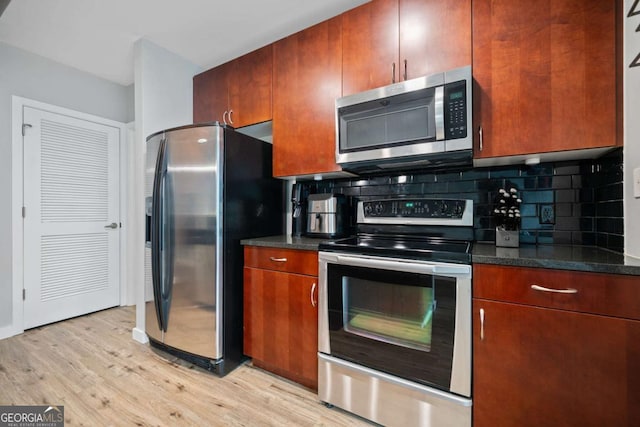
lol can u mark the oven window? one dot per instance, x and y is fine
(395, 322)
(398, 314)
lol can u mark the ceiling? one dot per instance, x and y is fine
(97, 36)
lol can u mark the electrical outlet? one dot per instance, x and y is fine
(547, 214)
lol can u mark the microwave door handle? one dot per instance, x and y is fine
(439, 112)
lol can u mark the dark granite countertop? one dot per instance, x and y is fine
(561, 257)
(285, 242)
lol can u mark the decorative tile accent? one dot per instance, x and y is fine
(586, 197)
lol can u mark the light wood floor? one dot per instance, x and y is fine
(93, 367)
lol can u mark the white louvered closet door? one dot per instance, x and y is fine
(70, 194)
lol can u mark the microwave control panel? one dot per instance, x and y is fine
(455, 110)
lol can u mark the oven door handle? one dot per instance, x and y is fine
(407, 266)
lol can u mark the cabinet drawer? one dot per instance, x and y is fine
(289, 260)
(597, 293)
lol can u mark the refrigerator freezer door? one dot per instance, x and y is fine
(192, 201)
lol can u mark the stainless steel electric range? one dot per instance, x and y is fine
(395, 314)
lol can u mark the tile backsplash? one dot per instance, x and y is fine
(576, 202)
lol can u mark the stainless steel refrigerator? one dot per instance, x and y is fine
(207, 187)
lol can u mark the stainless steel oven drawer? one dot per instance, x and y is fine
(386, 399)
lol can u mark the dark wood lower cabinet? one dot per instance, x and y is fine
(281, 323)
(538, 366)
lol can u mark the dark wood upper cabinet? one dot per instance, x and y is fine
(435, 35)
(370, 46)
(237, 92)
(545, 75)
(386, 41)
(307, 79)
(211, 94)
(250, 87)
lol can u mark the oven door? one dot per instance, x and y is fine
(408, 318)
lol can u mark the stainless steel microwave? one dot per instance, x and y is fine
(417, 123)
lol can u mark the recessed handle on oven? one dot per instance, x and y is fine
(411, 267)
(556, 291)
(274, 259)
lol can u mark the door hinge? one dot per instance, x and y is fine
(24, 212)
(24, 127)
(24, 294)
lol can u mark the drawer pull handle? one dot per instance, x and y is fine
(274, 259)
(482, 324)
(313, 291)
(557, 291)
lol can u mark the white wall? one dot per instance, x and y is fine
(34, 77)
(163, 99)
(632, 130)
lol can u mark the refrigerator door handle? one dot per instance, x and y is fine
(156, 223)
(168, 239)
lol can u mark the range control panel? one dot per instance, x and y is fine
(416, 211)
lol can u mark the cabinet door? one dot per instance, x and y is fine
(250, 88)
(307, 79)
(370, 46)
(545, 75)
(281, 323)
(211, 94)
(387, 41)
(543, 367)
(435, 36)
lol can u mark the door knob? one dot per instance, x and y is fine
(112, 225)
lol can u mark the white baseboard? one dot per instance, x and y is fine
(7, 331)
(140, 336)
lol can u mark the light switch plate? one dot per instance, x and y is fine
(636, 183)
